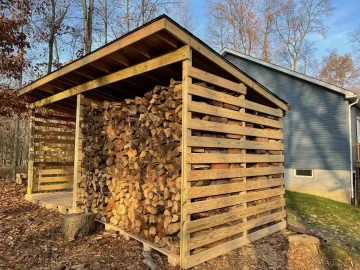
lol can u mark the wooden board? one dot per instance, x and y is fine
(202, 206)
(197, 175)
(204, 108)
(204, 191)
(222, 97)
(234, 129)
(195, 158)
(216, 80)
(232, 143)
(54, 187)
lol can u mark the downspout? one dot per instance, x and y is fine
(351, 154)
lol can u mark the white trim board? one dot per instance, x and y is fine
(347, 93)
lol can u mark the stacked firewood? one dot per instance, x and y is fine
(132, 163)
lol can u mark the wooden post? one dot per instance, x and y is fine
(31, 153)
(243, 152)
(78, 150)
(16, 151)
(186, 132)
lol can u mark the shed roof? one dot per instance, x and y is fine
(347, 93)
(123, 57)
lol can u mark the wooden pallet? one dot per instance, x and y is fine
(173, 259)
(60, 201)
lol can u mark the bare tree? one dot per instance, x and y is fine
(88, 12)
(339, 70)
(354, 39)
(298, 19)
(183, 14)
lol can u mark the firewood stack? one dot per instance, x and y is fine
(132, 163)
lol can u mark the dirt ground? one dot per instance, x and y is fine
(30, 238)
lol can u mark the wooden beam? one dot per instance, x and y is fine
(186, 117)
(31, 153)
(167, 59)
(78, 151)
(113, 47)
(169, 39)
(142, 49)
(120, 58)
(221, 62)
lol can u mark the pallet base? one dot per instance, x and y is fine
(173, 259)
(60, 201)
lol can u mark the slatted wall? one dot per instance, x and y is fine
(52, 152)
(233, 174)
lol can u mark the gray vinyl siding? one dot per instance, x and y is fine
(316, 133)
(355, 113)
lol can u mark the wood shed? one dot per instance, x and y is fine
(165, 140)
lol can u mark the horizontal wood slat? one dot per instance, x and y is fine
(232, 143)
(54, 179)
(53, 148)
(231, 245)
(55, 125)
(216, 80)
(202, 206)
(53, 156)
(54, 133)
(53, 164)
(55, 117)
(54, 187)
(233, 214)
(54, 141)
(222, 97)
(221, 233)
(54, 171)
(204, 108)
(234, 129)
(232, 173)
(197, 192)
(195, 158)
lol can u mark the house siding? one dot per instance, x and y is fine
(316, 131)
(355, 113)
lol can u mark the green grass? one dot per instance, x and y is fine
(338, 223)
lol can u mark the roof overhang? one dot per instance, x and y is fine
(348, 94)
(133, 64)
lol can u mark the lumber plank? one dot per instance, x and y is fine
(221, 233)
(55, 187)
(220, 61)
(55, 117)
(53, 164)
(78, 151)
(54, 171)
(54, 148)
(186, 117)
(234, 129)
(54, 133)
(197, 175)
(231, 245)
(54, 179)
(202, 206)
(204, 108)
(198, 192)
(233, 214)
(54, 141)
(200, 158)
(31, 153)
(216, 80)
(55, 125)
(53, 156)
(200, 91)
(164, 60)
(232, 143)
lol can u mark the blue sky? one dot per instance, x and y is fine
(345, 18)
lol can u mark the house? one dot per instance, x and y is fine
(321, 129)
(192, 169)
